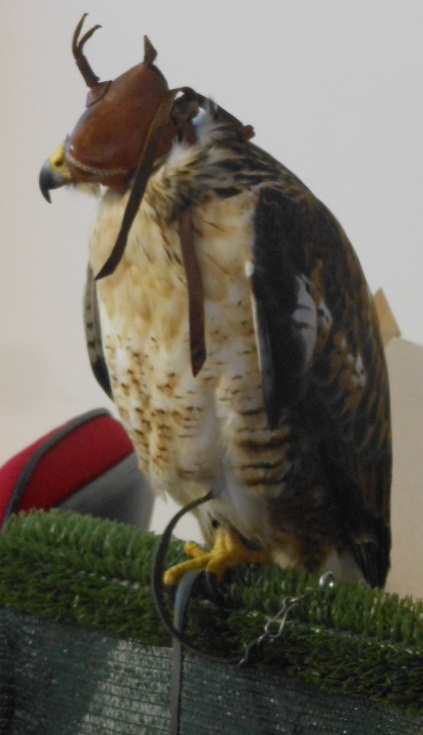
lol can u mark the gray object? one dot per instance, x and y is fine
(121, 494)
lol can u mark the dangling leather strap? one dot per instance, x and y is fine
(142, 175)
(146, 163)
(193, 275)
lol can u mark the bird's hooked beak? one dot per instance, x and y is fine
(54, 172)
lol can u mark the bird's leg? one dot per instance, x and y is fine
(228, 552)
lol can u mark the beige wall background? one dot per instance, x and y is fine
(333, 90)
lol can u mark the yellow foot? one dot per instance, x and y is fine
(228, 552)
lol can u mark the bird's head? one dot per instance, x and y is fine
(128, 125)
(107, 142)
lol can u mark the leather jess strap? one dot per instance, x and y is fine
(141, 178)
(142, 175)
(192, 271)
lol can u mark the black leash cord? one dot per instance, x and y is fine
(176, 626)
(183, 595)
(158, 571)
(184, 589)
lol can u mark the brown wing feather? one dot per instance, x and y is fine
(341, 394)
(93, 334)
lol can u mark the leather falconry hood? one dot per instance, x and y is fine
(106, 143)
(129, 123)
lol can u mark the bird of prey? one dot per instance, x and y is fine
(231, 322)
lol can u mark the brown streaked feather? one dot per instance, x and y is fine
(93, 335)
(341, 398)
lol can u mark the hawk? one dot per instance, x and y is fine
(230, 320)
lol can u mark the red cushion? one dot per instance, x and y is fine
(64, 460)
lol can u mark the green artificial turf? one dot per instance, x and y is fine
(352, 639)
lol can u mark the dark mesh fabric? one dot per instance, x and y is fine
(65, 679)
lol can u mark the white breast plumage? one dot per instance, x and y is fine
(181, 425)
